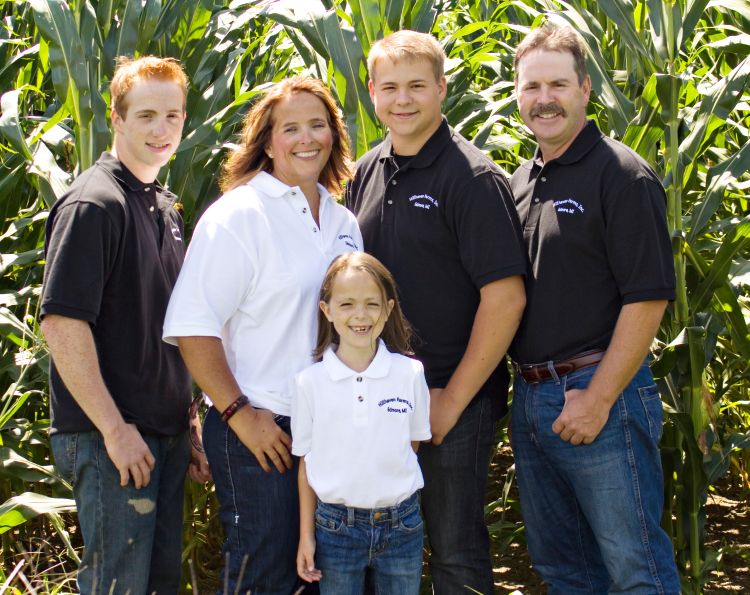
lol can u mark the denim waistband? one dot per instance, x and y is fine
(388, 514)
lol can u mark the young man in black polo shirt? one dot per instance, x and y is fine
(119, 395)
(438, 213)
(587, 416)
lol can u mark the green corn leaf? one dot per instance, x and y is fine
(718, 178)
(26, 506)
(9, 124)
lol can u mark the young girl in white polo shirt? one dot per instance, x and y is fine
(357, 419)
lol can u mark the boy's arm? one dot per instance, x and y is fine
(306, 551)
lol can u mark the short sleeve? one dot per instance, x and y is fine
(419, 425)
(638, 244)
(217, 275)
(301, 420)
(488, 230)
(82, 247)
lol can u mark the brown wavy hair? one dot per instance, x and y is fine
(397, 330)
(250, 157)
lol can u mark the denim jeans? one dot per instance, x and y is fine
(453, 497)
(259, 512)
(592, 512)
(132, 537)
(387, 541)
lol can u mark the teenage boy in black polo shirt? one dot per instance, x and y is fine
(119, 395)
(439, 215)
(586, 412)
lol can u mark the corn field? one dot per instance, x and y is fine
(670, 79)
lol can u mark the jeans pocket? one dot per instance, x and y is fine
(64, 447)
(652, 407)
(411, 522)
(328, 523)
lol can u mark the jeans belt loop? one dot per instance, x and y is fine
(349, 516)
(394, 516)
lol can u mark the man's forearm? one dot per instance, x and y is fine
(497, 318)
(634, 332)
(71, 344)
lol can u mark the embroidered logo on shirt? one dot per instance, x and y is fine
(349, 241)
(423, 201)
(396, 405)
(568, 205)
(176, 233)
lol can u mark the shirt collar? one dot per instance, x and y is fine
(275, 188)
(429, 151)
(128, 180)
(586, 140)
(378, 368)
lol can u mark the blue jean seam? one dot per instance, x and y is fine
(638, 498)
(227, 429)
(98, 571)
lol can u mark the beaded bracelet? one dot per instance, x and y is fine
(236, 405)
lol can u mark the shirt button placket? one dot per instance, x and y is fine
(360, 401)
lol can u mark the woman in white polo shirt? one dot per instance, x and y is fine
(243, 313)
(357, 419)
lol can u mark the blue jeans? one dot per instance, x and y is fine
(259, 512)
(132, 537)
(592, 512)
(453, 497)
(387, 541)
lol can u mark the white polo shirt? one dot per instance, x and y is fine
(252, 278)
(355, 428)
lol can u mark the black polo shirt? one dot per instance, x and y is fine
(444, 224)
(114, 249)
(594, 223)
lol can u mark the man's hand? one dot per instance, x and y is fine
(582, 418)
(198, 470)
(130, 455)
(259, 433)
(444, 414)
(306, 561)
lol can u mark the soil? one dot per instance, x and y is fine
(727, 532)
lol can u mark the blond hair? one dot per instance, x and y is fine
(408, 45)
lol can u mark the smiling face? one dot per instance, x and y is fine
(301, 139)
(551, 101)
(358, 312)
(407, 99)
(149, 134)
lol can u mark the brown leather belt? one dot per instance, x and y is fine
(533, 373)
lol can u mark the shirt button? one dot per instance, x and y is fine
(315, 230)
(537, 199)
(544, 179)
(294, 193)
(304, 209)
(359, 378)
(360, 398)
(390, 202)
(151, 208)
(147, 189)
(394, 182)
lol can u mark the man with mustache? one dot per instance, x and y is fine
(587, 415)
